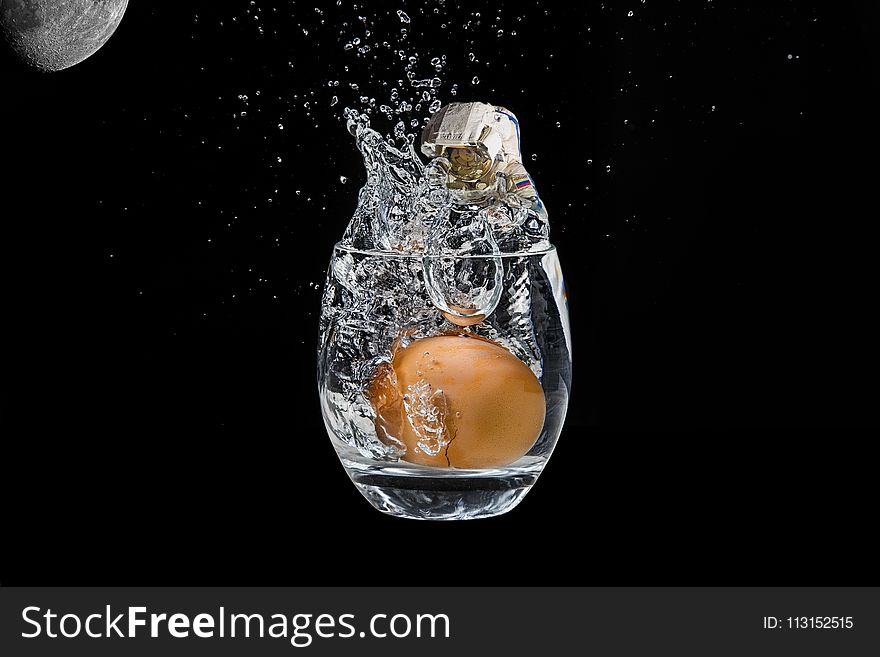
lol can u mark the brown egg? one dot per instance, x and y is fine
(458, 401)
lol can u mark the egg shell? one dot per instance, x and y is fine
(491, 403)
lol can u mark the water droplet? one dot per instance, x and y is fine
(404, 18)
(333, 101)
(534, 156)
(607, 168)
(629, 13)
(343, 179)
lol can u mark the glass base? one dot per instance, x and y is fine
(423, 498)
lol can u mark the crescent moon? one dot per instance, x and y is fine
(51, 35)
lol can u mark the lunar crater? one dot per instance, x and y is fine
(51, 35)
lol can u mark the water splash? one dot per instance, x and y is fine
(426, 411)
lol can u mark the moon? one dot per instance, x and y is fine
(51, 35)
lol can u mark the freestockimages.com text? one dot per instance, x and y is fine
(300, 629)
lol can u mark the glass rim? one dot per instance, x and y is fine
(421, 256)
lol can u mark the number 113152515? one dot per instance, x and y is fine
(808, 623)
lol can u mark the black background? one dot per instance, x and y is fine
(711, 188)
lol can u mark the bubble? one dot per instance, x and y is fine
(475, 80)
(404, 17)
(343, 179)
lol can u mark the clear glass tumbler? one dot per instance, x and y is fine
(436, 413)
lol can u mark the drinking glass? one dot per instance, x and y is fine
(376, 304)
